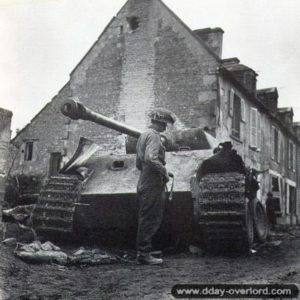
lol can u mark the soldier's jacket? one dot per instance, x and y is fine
(150, 160)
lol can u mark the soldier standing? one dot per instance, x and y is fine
(150, 160)
(271, 211)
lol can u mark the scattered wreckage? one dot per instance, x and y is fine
(94, 193)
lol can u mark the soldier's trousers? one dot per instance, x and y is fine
(151, 206)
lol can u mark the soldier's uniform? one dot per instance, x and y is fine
(150, 160)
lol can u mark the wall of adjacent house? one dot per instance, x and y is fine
(48, 132)
(260, 157)
(5, 134)
(145, 58)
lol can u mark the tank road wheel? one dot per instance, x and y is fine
(261, 224)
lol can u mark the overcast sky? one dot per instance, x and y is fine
(41, 41)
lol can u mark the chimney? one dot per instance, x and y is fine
(285, 115)
(296, 127)
(269, 97)
(243, 74)
(213, 38)
(230, 61)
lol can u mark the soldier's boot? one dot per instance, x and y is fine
(148, 259)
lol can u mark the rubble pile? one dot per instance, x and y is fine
(38, 253)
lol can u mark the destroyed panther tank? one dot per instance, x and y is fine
(95, 193)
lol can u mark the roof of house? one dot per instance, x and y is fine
(267, 90)
(209, 30)
(283, 110)
(238, 68)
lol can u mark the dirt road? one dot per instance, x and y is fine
(124, 280)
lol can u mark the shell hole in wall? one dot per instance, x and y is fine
(133, 22)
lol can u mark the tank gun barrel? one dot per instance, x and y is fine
(188, 139)
(76, 110)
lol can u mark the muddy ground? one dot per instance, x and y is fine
(272, 263)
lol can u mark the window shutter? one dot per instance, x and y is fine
(282, 159)
(242, 131)
(253, 129)
(279, 147)
(289, 155)
(230, 102)
(258, 130)
(273, 142)
(243, 110)
(294, 157)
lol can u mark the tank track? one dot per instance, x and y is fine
(55, 208)
(224, 213)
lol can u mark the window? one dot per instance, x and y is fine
(291, 156)
(28, 151)
(237, 111)
(292, 201)
(230, 102)
(275, 184)
(255, 130)
(275, 144)
(243, 110)
(236, 117)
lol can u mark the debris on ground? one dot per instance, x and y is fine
(20, 214)
(17, 223)
(10, 242)
(194, 250)
(275, 243)
(125, 280)
(91, 257)
(19, 231)
(37, 252)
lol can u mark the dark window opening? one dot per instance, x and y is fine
(275, 184)
(237, 117)
(28, 151)
(133, 22)
(55, 161)
(118, 164)
(121, 29)
(292, 200)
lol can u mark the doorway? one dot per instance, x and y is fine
(55, 161)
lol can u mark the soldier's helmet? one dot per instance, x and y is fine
(162, 115)
(226, 145)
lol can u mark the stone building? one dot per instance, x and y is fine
(147, 57)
